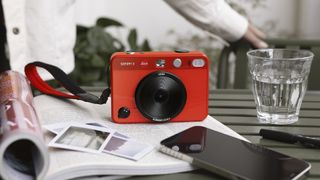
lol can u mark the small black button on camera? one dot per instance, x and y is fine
(123, 112)
(181, 51)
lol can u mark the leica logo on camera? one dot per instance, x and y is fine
(159, 87)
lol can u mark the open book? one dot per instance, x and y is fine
(70, 164)
(66, 164)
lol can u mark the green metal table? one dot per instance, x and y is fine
(236, 109)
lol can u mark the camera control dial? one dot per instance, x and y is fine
(177, 63)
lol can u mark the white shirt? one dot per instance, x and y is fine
(44, 30)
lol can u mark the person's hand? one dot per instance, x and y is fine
(255, 37)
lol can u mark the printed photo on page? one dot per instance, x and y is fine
(115, 133)
(56, 128)
(82, 138)
(127, 148)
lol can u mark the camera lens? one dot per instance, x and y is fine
(160, 96)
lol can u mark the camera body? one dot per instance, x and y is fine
(159, 86)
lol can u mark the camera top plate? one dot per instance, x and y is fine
(158, 60)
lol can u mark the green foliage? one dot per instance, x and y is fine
(132, 39)
(105, 22)
(94, 47)
(133, 42)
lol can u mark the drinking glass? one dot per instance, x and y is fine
(279, 83)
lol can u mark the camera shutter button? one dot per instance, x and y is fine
(177, 63)
(182, 51)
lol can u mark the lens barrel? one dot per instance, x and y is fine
(160, 96)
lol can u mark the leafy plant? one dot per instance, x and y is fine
(94, 47)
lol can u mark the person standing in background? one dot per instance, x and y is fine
(40, 30)
(45, 30)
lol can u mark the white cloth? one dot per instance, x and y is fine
(44, 30)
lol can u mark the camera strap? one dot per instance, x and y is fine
(76, 92)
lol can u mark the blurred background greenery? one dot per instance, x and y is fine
(95, 45)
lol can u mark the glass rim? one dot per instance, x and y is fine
(309, 55)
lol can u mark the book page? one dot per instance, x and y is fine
(70, 164)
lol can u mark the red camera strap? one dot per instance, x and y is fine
(76, 92)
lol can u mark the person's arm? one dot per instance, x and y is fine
(217, 17)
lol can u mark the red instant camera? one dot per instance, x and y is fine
(159, 86)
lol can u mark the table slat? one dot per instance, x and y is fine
(253, 112)
(240, 120)
(270, 143)
(254, 130)
(314, 171)
(250, 104)
(246, 97)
